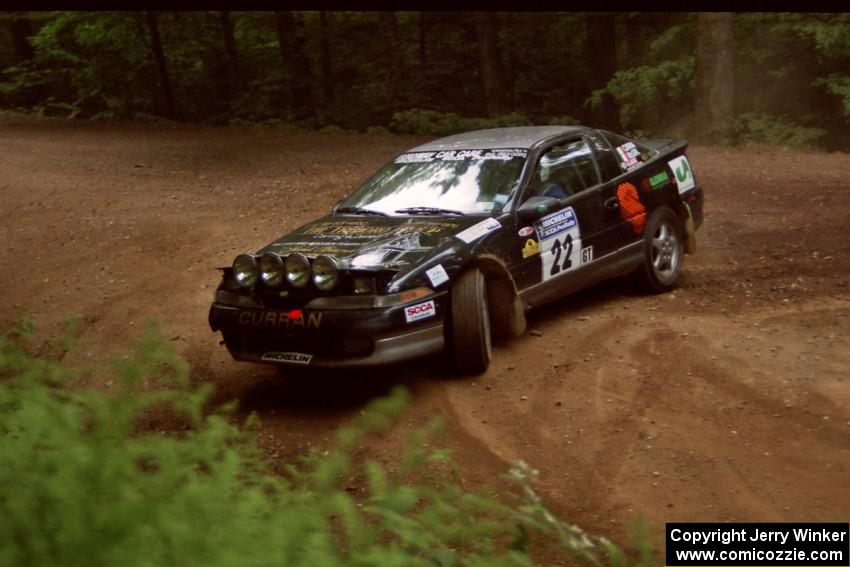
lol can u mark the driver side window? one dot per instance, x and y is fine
(564, 170)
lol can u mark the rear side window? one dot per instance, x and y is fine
(629, 153)
(609, 165)
(565, 169)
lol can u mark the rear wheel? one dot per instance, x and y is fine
(663, 252)
(471, 342)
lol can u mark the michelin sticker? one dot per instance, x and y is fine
(420, 311)
(291, 357)
(437, 275)
(682, 172)
(560, 242)
(478, 230)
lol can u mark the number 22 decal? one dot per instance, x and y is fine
(556, 250)
(560, 243)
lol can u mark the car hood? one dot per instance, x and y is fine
(372, 243)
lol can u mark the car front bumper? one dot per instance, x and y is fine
(330, 338)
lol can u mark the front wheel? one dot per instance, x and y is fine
(470, 326)
(663, 252)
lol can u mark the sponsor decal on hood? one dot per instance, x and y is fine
(364, 243)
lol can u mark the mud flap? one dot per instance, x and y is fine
(690, 231)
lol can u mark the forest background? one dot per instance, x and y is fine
(778, 78)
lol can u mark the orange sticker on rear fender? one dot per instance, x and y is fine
(631, 208)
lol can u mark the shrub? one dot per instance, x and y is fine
(777, 130)
(377, 130)
(81, 484)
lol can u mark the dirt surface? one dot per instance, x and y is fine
(728, 399)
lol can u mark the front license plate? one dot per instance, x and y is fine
(290, 357)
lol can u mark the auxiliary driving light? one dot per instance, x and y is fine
(272, 271)
(297, 270)
(325, 274)
(245, 270)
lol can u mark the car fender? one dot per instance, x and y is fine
(507, 313)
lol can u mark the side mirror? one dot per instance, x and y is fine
(535, 207)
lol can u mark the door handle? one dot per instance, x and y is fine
(612, 204)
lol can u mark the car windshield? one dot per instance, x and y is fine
(445, 182)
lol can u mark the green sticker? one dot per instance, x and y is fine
(684, 171)
(659, 179)
(542, 208)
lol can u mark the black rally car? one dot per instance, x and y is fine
(454, 240)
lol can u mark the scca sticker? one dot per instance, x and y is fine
(420, 311)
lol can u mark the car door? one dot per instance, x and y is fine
(624, 190)
(625, 214)
(560, 242)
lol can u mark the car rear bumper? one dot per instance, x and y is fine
(330, 338)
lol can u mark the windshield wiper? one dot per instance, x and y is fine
(429, 211)
(360, 211)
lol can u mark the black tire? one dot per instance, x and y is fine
(663, 253)
(471, 343)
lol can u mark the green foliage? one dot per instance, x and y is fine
(359, 70)
(642, 92)
(754, 128)
(839, 85)
(82, 484)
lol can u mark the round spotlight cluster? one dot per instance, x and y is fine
(294, 270)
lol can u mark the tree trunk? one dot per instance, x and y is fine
(487, 29)
(423, 46)
(715, 76)
(396, 77)
(291, 43)
(602, 59)
(20, 29)
(325, 50)
(286, 42)
(235, 70)
(159, 59)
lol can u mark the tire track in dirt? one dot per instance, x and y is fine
(728, 399)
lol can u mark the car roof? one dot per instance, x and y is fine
(497, 138)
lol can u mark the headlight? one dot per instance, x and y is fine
(245, 270)
(297, 270)
(364, 285)
(271, 269)
(325, 274)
